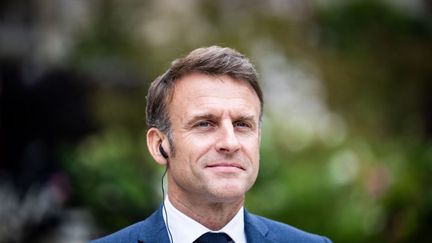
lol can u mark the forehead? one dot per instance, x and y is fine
(200, 92)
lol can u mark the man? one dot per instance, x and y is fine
(204, 117)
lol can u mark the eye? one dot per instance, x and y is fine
(203, 124)
(242, 124)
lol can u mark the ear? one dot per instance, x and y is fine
(156, 138)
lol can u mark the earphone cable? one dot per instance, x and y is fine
(163, 205)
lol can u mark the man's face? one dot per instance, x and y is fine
(216, 134)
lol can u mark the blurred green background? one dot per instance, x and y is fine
(346, 149)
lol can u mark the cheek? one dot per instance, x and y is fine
(192, 148)
(254, 155)
(197, 144)
(252, 147)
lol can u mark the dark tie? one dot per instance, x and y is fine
(213, 238)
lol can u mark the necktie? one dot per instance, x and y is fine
(213, 238)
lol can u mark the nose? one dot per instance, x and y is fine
(228, 141)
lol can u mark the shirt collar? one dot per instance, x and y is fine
(185, 230)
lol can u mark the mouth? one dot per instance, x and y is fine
(226, 166)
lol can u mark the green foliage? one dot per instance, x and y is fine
(114, 177)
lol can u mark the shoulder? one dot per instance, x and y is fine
(280, 232)
(147, 230)
(128, 234)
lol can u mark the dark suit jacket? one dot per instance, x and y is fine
(258, 230)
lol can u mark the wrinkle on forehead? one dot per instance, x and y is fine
(221, 78)
(201, 94)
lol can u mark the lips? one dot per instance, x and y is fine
(226, 165)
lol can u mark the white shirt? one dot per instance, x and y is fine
(185, 230)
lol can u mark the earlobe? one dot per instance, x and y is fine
(154, 142)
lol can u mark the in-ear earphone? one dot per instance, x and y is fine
(162, 151)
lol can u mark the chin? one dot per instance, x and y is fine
(228, 195)
(228, 199)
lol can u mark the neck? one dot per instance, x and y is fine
(213, 215)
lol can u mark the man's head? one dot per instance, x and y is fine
(212, 61)
(208, 107)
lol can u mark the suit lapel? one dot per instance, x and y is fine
(153, 229)
(256, 231)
